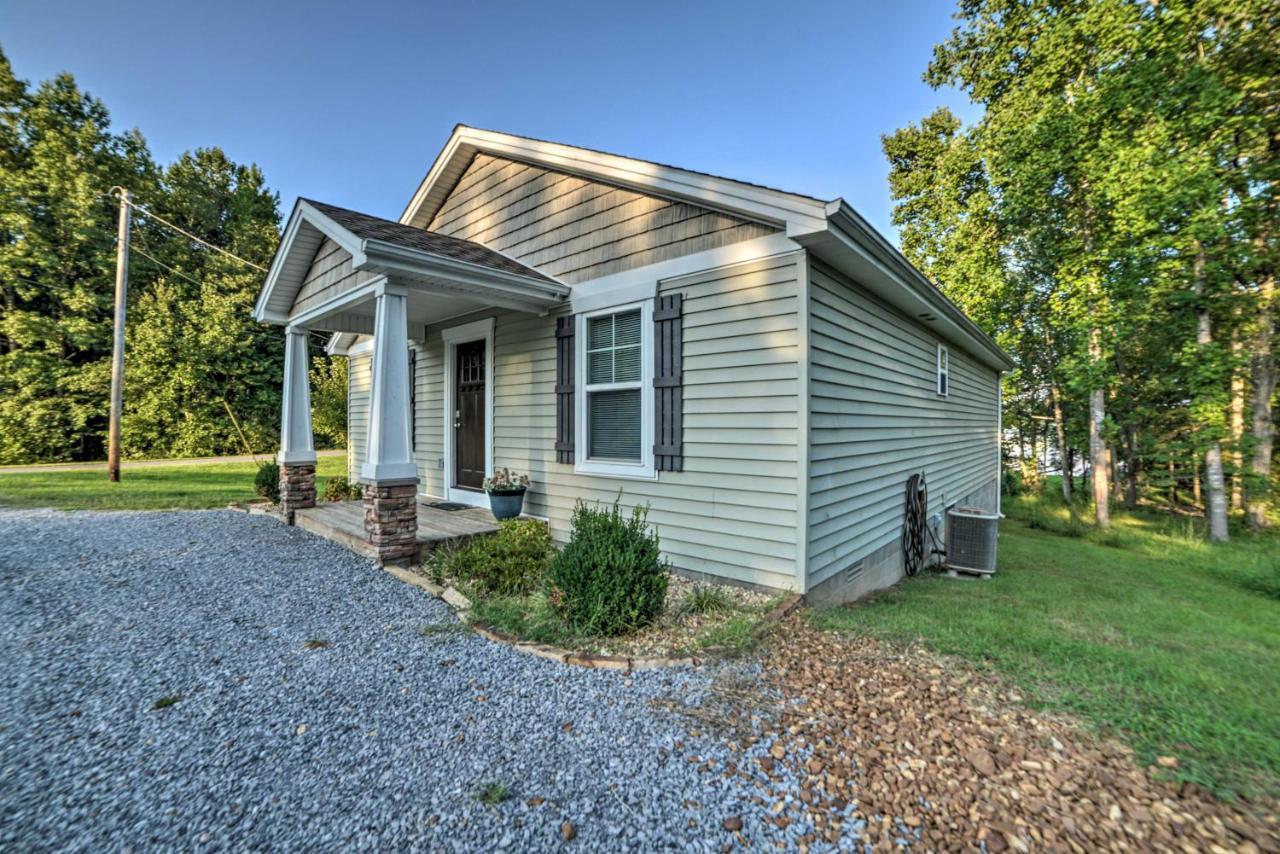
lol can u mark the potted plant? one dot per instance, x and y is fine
(506, 493)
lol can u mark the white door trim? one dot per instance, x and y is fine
(453, 336)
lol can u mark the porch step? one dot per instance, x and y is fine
(343, 522)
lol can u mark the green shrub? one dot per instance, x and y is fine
(510, 563)
(338, 489)
(610, 578)
(267, 482)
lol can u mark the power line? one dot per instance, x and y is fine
(160, 263)
(147, 212)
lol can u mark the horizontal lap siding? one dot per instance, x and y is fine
(359, 387)
(876, 419)
(732, 511)
(577, 229)
(428, 434)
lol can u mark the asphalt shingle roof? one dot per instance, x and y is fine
(390, 231)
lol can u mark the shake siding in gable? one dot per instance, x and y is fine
(876, 419)
(359, 388)
(330, 276)
(577, 229)
(733, 510)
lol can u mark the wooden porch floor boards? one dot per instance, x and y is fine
(343, 523)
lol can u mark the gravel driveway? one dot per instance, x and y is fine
(213, 680)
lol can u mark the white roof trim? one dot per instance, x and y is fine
(794, 212)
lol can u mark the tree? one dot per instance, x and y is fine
(329, 400)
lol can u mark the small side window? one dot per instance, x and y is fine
(944, 371)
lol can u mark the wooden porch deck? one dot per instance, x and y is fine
(343, 523)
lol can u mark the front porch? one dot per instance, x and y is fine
(341, 271)
(343, 523)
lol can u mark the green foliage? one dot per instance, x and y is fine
(610, 578)
(329, 401)
(1111, 215)
(512, 562)
(338, 489)
(1167, 642)
(267, 481)
(196, 359)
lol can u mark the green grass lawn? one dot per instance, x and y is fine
(1147, 633)
(159, 488)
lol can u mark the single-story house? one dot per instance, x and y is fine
(762, 368)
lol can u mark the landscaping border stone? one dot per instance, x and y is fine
(461, 606)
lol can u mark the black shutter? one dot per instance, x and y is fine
(564, 388)
(668, 384)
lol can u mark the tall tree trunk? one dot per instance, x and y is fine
(1173, 485)
(1237, 425)
(1061, 428)
(1098, 447)
(1197, 498)
(1130, 469)
(1069, 477)
(1263, 369)
(1216, 509)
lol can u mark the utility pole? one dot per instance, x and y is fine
(117, 346)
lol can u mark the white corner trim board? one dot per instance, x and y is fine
(453, 336)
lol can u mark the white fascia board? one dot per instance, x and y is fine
(302, 212)
(362, 293)
(853, 246)
(260, 312)
(746, 200)
(461, 276)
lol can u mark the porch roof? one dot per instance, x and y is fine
(382, 246)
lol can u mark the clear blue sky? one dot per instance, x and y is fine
(349, 103)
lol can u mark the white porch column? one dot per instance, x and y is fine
(390, 454)
(296, 444)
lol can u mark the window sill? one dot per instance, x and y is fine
(620, 471)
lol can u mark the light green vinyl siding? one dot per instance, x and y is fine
(359, 387)
(733, 511)
(575, 229)
(876, 418)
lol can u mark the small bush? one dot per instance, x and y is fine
(610, 578)
(267, 482)
(512, 562)
(338, 489)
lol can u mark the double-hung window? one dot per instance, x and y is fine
(615, 371)
(944, 371)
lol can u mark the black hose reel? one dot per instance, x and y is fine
(915, 526)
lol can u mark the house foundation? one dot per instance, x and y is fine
(297, 488)
(391, 520)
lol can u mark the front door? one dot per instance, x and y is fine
(468, 416)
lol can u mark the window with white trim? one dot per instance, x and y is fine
(944, 371)
(615, 407)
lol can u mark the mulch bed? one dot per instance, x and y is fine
(928, 748)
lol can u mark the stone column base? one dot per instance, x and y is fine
(297, 488)
(391, 520)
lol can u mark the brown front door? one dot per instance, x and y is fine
(468, 416)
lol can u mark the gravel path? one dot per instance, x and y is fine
(379, 739)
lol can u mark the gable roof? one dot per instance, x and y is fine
(831, 230)
(377, 244)
(370, 227)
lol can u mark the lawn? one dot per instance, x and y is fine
(189, 487)
(1146, 633)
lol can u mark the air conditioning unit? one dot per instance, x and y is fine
(971, 540)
